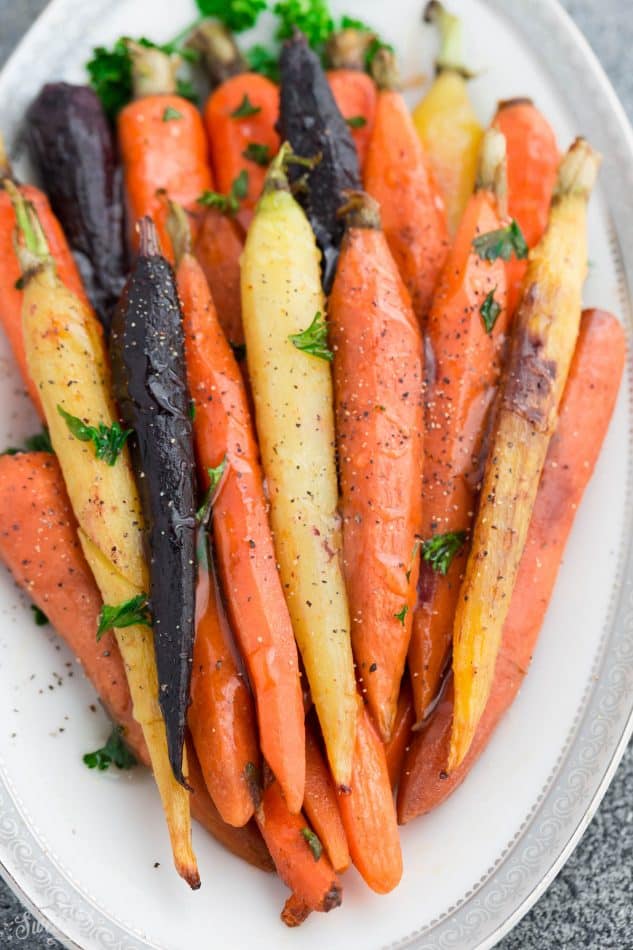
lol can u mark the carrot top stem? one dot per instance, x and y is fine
(153, 70)
(31, 246)
(361, 211)
(517, 101)
(276, 177)
(450, 56)
(219, 51)
(179, 230)
(492, 171)
(347, 49)
(578, 171)
(384, 69)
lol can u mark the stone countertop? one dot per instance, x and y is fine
(589, 904)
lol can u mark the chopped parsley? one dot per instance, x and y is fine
(170, 114)
(191, 412)
(501, 243)
(258, 153)
(215, 478)
(128, 614)
(39, 616)
(440, 550)
(245, 109)
(40, 442)
(114, 752)
(227, 204)
(185, 89)
(490, 311)
(107, 440)
(312, 842)
(313, 339)
(402, 613)
(356, 121)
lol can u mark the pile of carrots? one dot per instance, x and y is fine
(356, 431)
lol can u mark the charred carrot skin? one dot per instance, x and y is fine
(223, 433)
(221, 717)
(164, 152)
(46, 560)
(398, 175)
(378, 369)
(231, 135)
(533, 160)
(355, 95)
(465, 368)
(321, 805)
(59, 581)
(10, 293)
(310, 877)
(584, 419)
(368, 812)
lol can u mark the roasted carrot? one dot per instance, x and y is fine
(218, 248)
(354, 91)
(321, 807)
(398, 175)
(533, 159)
(585, 412)
(163, 146)
(224, 436)
(10, 292)
(465, 333)
(368, 811)
(221, 716)
(297, 852)
(295, 911)
(239, 116)
(396, 748)
(544, 338)
(378, 369)
(446, 121)
(47, 562)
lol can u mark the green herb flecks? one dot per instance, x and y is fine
(227, 204)
(114, 752)
(170, 114)
(264, 61)
(402, 613)
(313, 339)
(107, 440)
(215, 478)
(40, 442)
(245, 109)
(490, 310)
(128, 614)
(502, 243)
(312, 842)
(356, 121)
(39, 616)
(258, 153)
(440, 550)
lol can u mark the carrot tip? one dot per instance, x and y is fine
(333, 898)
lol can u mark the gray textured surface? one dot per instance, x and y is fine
(589, 904)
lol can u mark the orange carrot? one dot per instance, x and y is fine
(368, 812)
(378, 367)
(240, 117)
(221, 716)
(465, 368)
(224, 437)
(39, 545)
(585, 412)
(396, 748)
(218, 248)
(321, 806)
(10, 294)
(297, 853)
(163, 151)
(295, 911)
(355, 94)
(533, 160)
(398, 175)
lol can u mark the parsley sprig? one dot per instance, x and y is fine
(114, 752)
(313, 339)
(238, 15)
(107, 440)
(227, 204)
(440, 550)
(502, 243)
(128, 614)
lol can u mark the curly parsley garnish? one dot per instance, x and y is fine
(114, 752)
(313, 339)
(238, 15)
